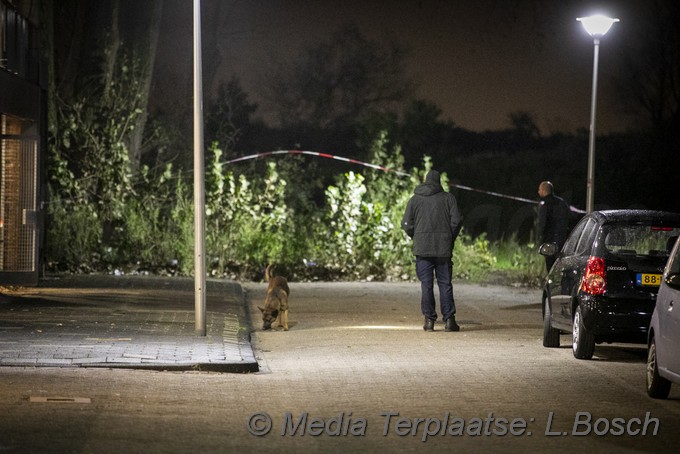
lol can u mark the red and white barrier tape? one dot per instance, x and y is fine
(384, 169)
(321, 155)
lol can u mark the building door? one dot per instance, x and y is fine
(19, 198)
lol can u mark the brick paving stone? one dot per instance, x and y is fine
(124, 321)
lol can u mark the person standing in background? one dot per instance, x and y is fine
(433, 221)
(553, 219)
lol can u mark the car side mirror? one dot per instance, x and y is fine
(673, 281)
(548, 249)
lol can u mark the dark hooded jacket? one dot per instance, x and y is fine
(432, 218)
(553, 220)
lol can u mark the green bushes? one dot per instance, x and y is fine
(73, 236)
(517, 263)
(354, 234)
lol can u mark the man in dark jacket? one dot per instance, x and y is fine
(553, 219)
(432, 220)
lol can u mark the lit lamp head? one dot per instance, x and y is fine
(597, 25)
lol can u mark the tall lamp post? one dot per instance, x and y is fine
(199, 178)
(596, 26)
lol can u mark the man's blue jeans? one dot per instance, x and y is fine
(427, 268)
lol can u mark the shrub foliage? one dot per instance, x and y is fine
(354, 233)
(105, 214)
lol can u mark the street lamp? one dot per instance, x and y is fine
(199, 181)
(597, 26)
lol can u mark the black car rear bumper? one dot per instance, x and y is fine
(620, 320)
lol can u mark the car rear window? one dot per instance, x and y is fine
(589, 234)
(639, 239)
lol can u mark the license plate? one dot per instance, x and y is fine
(650, 280)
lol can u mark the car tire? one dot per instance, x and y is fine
(551, 336)
(657, 386)
(583, 342)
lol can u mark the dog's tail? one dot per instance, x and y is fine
(268, 272)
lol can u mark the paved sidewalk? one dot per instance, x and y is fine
(124, 321)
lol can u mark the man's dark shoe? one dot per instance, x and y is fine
(429, 325)
(451, 325)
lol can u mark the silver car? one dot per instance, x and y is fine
(663, 351)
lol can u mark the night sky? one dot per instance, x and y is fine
(477, 60)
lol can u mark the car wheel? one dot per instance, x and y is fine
(657, 386)
(551, 336)
(583, 342)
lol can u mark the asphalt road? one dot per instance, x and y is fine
(356, 372)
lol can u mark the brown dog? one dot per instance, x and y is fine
(276, 301)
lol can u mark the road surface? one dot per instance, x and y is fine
(357, 372)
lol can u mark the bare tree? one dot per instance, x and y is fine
(524, 125)
(111, 51)
(650, 82)
(228, 115)
(338, 80)
(148, 46)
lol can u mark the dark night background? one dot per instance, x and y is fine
(477, 60)
(497, 93)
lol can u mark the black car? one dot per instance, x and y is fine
(603, 284)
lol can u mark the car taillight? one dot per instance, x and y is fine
(594, 279)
